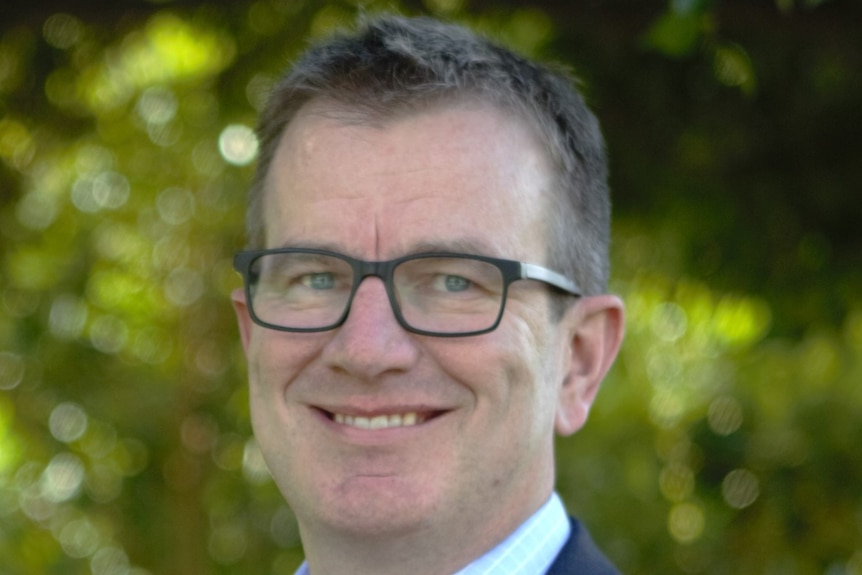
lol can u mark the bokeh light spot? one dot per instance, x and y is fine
(732, 67)
(724, 415)
(258, 89)
(16, 144)
(228, 451)
(254, 467)
(100, 439)
(206, 159)
(741, 321)
(740, 488)
(183, 287)
(63, 477)
(79, 538)
(120, 243)
(686, 522)
(36, 210)
(666, 408)
(669, 322)
(663, 367)
(228, 543)
(152, 345)
(238, 145)
(108, 334)
(103, 484)
(68, 422)
(35, 506)
(109, 561)
(111, 289)
(68, 316)
(157, 105)
(676, 482)
(170, 252)
(11, 370)
(175, 205)
(106, 190)
(132, 457)
(211, 360)
(62, 31)
(164, 135)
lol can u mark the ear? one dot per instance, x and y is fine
(594, 327)
(240, 307)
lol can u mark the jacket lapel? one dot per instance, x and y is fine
(580, 556)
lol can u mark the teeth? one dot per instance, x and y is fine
(378, 421)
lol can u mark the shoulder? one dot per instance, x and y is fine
(581, 556)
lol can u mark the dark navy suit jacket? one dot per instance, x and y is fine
(580, 556)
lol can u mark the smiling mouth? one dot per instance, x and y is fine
(408, 419)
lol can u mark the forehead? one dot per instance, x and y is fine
(462, 174)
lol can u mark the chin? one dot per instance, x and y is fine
(376, 506)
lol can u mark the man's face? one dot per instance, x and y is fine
(460, 178)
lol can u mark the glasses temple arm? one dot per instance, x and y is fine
(542, 274)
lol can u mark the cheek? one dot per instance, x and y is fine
(532, 361)
(505, 370)
(276, 358)
(275, 361)
(525, 344)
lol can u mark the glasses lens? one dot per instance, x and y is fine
(300, 290)
(449, 295)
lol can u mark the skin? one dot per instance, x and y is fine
(432, 497)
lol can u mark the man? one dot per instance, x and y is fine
(424, 302)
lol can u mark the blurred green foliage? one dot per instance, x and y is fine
(724, 441)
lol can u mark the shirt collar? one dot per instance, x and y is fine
(531, 548)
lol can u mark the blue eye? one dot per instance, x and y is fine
(456, 283)
(319, 281)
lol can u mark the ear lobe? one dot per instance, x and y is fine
(596, 326)
(240, 307)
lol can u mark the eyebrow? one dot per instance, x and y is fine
(471, 246)
(459, 246)
(315, 245)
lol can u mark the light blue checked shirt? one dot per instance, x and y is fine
(529, 550)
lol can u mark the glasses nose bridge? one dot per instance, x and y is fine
(379, 269)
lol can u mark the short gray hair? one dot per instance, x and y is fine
(392, 65)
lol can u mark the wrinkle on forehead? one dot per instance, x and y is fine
(419, 178)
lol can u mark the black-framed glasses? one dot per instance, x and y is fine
(436, 293)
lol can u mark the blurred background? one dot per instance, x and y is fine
(726, 439)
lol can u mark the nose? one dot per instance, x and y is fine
(371, 342)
